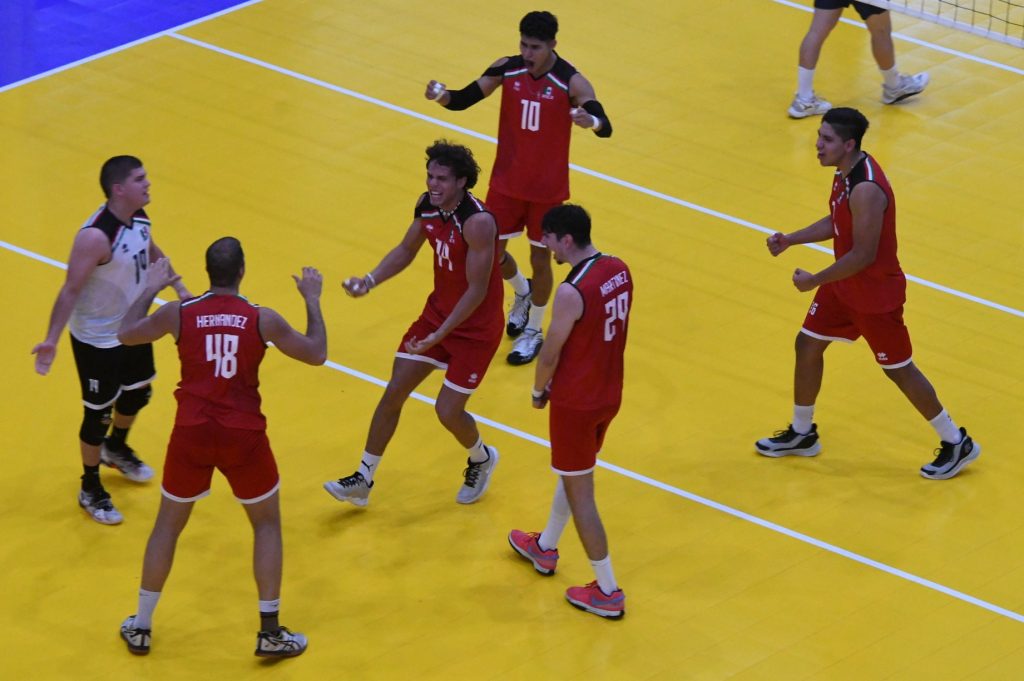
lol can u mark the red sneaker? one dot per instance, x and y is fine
(592, 599)
(527, 546)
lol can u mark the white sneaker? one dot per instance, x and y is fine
(125, 460)
(802, 108)
(352, 488)
(477, 478)
(136, 639)
(519, 312)
(100, 507)
(526, 347)
(280, 643)
(907, 87)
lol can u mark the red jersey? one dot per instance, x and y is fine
(881, 286)
(444, 232)
(220, 348)
(589, 371)
(534, 129)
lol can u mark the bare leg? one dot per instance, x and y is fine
(822, 23)
(880, 27)
(90, 454)
(406, 374)
(543, 278)
(506, 263)
(809, 370)
(451, 411)
(579, 489)
(917, 388)
(170, 521)
(267, 550)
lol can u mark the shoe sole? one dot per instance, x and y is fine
(487, 484)
(134, 649)
(356, 502)
(800, 115)
(580, 605)
(542, 570)
(975, 453)
(809, 451)
(288, 653)
(902, 97)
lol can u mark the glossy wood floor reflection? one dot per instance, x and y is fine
(846, 566)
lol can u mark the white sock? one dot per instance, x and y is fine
(270, 606)
(147, 604)
(891, 76)
(368, 466)
(478, 453)
(804, 82)
(519, 283)
(803, 418)
(557, 520)
(947, 430)
(536, 317)
(605, 578)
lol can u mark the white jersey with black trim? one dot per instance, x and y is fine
(114, 285)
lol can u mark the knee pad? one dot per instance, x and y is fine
(129, 402)
(95, 424)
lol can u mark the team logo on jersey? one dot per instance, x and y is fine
(473, 378)
(515, 85)
(124, 248)
(882, 357)
(547, 93)
(144, 233)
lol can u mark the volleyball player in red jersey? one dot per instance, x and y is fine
(860, 294)
(580, 372)
(542, 96)
(459, 329)
(221, 340)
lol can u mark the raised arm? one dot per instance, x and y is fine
(136, 328)
(91, 248)
(310, 347)
(457, 100)
(397, 259)
(565, 312)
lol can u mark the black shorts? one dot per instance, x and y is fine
(863, 9)
(105, 372)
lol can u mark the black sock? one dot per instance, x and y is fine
(268, 621)
(91, 478)
(116, 439)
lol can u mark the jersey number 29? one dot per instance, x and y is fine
(617, 309)
(222, 350)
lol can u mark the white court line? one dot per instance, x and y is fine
(120, 48)
(586, 171)
(916, 41)
(704, 501)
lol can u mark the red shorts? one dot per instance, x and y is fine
(243, 456)
(465, 360)
(829, 319)
(577, 436)
(513, 214)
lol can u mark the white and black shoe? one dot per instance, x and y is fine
(352, 488)
(477, 477)
(519, 312)
(526, 348)
(100, 508)
(136, 639)
(950, 458)
(280, 643)
(125, 460)
(788, 442)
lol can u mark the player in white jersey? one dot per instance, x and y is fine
(106, 272)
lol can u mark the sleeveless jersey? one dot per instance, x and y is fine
(589, 371)
(449, 250)
(534, 129)
(881, 286)
(220, 348)
(113, 286)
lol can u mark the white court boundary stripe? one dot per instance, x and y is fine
(922, 43)
(586, 171)
(120, 48)
(696, 498)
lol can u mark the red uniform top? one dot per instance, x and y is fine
(444, 232)
(881, 286)
(589, 371)
(534, 129)
(220, 348)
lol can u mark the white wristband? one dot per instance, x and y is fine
(370, 281)
(537, 394)
(597, 123)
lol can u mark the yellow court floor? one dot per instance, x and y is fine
(299, 126)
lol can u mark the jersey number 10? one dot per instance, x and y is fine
(222, 350)
(531, 115)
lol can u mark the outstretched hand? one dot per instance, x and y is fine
(311, 284)
(160, 275)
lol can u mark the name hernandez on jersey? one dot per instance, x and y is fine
(534, 130)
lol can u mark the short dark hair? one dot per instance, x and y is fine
(539, 25)
(568, 219)
(457, 157)
(116, 170)
(848, 123)
(224, 261)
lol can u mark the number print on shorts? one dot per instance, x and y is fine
(617, 309)
(222, 350)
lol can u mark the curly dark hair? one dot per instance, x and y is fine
(457, 157)
(539, 25)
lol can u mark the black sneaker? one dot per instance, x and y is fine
(136, 639)
(788, 442)
(280, 643)
(124, 460)
(950, 458)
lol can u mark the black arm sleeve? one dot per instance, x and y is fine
(464, 98)
(594, 108)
